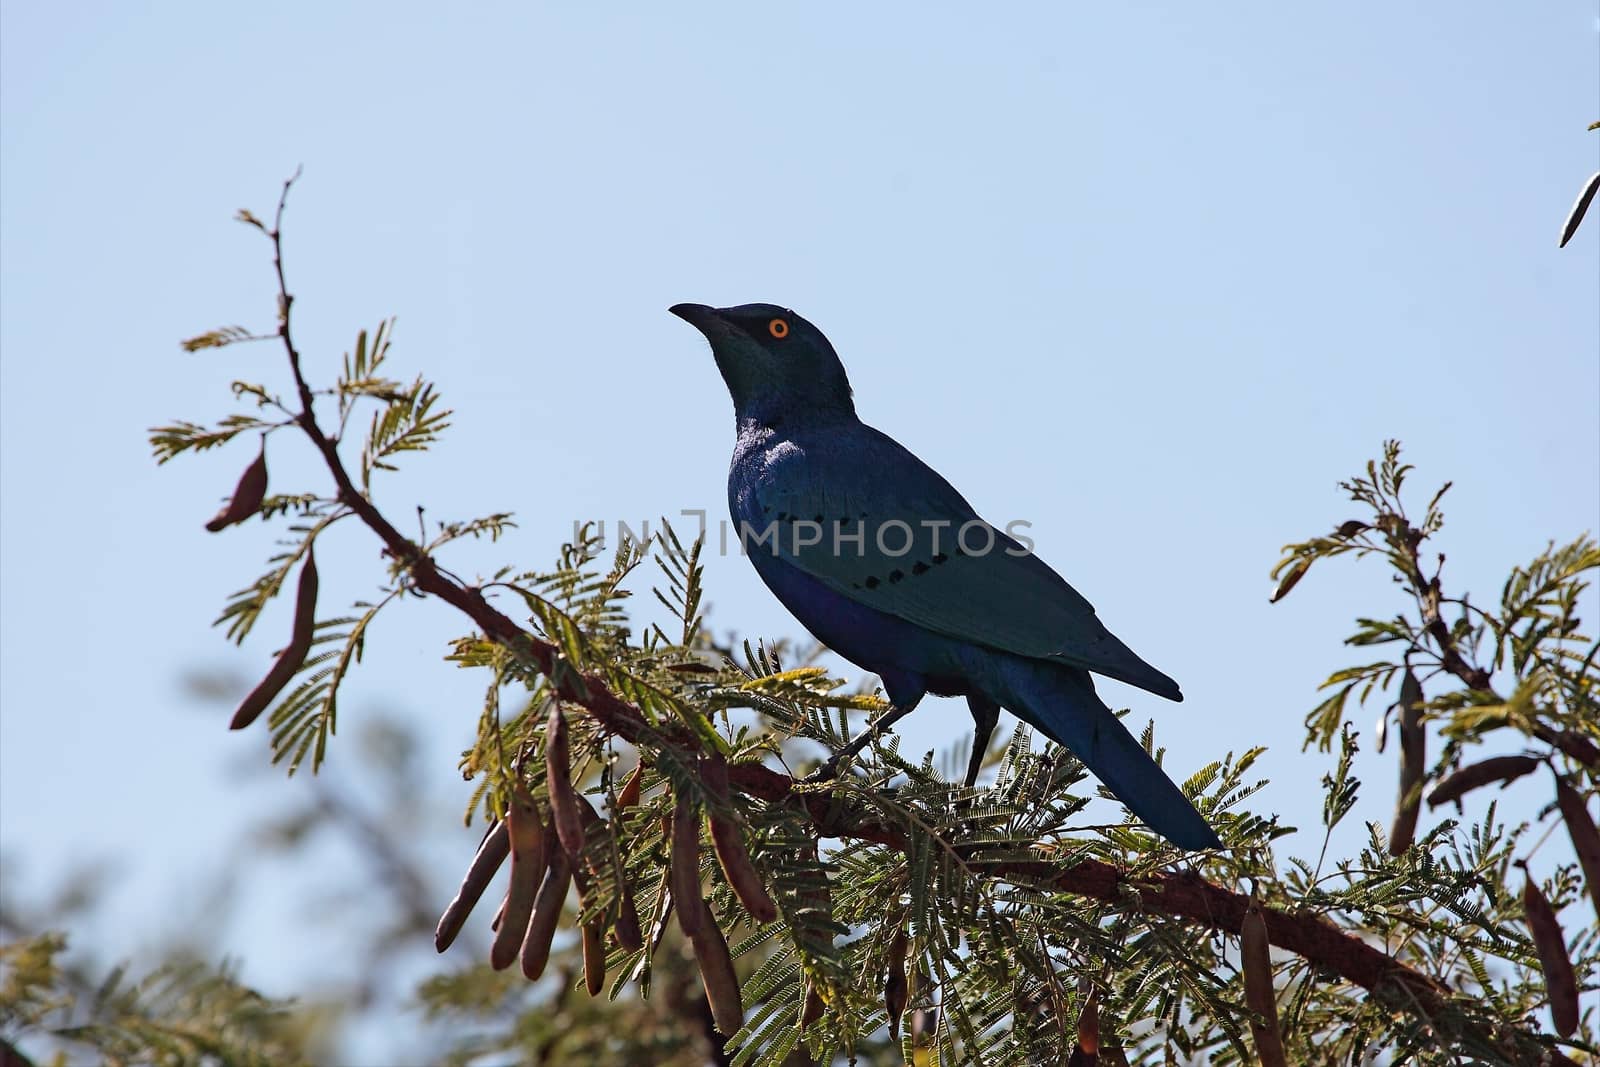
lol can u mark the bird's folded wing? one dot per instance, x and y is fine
(925, 556)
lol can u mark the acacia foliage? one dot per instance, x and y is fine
(919, 919)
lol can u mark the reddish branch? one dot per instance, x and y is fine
(1181, 896)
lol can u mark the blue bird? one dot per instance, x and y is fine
(886, 564)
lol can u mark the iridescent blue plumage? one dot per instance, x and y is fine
(882, 560)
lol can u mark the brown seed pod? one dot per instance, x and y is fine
(728, 844)
(1256, 955)
(564, 806)
(1089, 1024)
(492, 852)
(717, 975)
(1585, 838)
(629, 797)
(1579, 747)
(546, 913)
(247, 495)
(1291, 578)
(1502, 769)
(1413, 764)
(293, 655)
(895, 987)
(685, 873)
(527, 868)
(594, 958)
(1560, 982)
(629, 935)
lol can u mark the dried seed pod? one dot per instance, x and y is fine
(1585, 838)
(629, 935)
(1579, 747)
(1256, 955)
(1560, 982)
(546, 913)
(728, 844)
(594, 958)
(1579, 208)
(527, 868)
(492, 852)
(895, 986)
(685, 873)
(1413, 764)
(717, 975)
(1502, 769)
(247, 495)
(1089, 1025)
(564, 806)
(293, 656)
(629, 797)
(1291, 578)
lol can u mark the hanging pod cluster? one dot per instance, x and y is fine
(565, 842)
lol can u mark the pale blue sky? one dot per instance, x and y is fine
(1153, 277)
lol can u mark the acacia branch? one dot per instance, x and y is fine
(1187, 897)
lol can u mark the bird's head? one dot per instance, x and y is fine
(774, 362)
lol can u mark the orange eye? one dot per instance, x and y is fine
(778, 328)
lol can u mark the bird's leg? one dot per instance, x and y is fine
(985, 714)
(861, 740)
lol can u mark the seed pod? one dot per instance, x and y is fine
(594, 958)
(1256, 955)
(629, 934)
(717, 974)
(1291, 578)
(492, 852)
(293, 656)
(1578, 747)
(247, 495)
(527, 868)
(1351, 527)
(1585, 838)
(895, 987)
(685, 873)
(812, 1007)
(1502, 769)
(1413, 760)
(629, 797)
(1560, 982)
(728, 844)
(1089, 1025)
(546, 913)
(588, 818)
(564, 808)
(1579, 207)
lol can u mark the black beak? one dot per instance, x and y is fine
(699, 316)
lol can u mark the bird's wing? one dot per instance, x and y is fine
(944, 580)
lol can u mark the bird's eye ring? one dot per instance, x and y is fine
(778, 328)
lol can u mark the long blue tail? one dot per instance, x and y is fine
(1061, 703)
